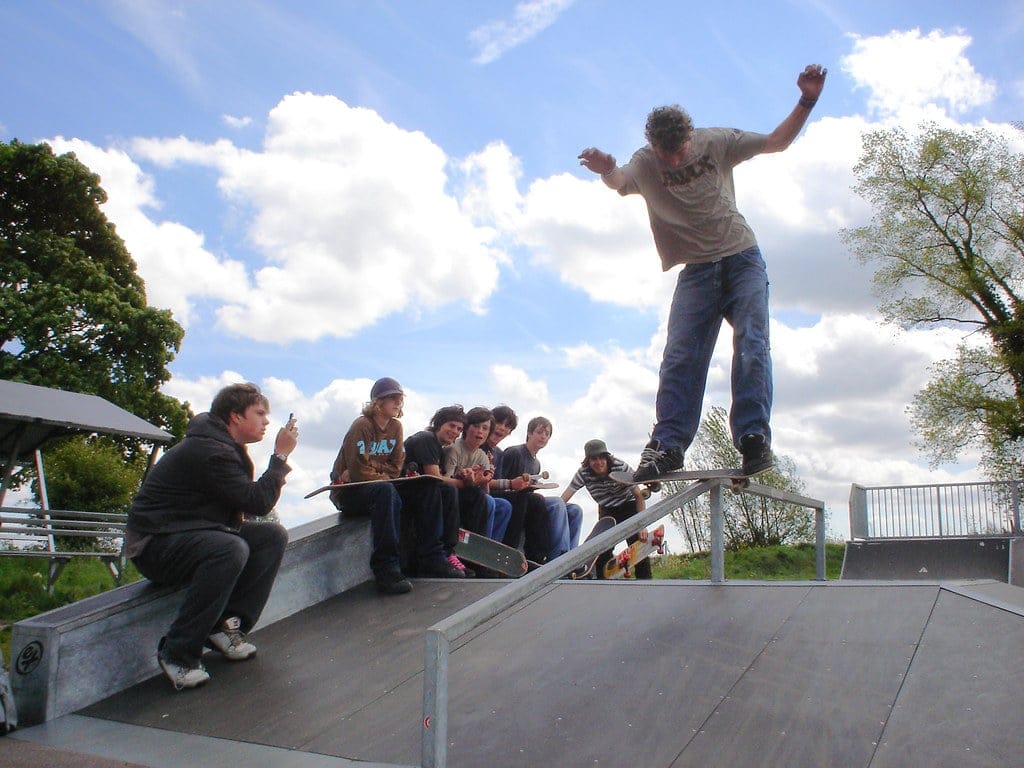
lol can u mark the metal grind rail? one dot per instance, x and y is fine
(440, 636)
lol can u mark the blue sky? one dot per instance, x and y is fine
(329, 192)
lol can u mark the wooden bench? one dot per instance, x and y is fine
(35, 532)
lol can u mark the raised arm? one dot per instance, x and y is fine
(810, 82)
(595, 160)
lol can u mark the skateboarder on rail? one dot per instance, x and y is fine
(685, 177)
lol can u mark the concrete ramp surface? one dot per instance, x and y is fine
(605, 674)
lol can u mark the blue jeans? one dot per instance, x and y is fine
(499, 513)
(564, 522)
(734, 289)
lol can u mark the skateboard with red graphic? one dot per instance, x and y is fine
(621, 566)
(488, 553)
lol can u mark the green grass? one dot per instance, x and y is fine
(23, 588)
(757, 563)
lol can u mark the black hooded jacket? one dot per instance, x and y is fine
(205, 481)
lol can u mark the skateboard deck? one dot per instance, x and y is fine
(680, 475)
(340, 486)
(488, 553)
(605, 523)
(621, 566)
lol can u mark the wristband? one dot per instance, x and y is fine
(807, 103)
(282, 457)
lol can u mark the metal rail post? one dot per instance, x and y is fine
(717, 535)
(434, 746)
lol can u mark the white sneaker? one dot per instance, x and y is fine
(181, 675)
(231, 642)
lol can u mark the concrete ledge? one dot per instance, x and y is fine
(76, 655)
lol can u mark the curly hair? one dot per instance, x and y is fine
(668, 128)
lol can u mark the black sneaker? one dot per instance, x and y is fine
(441, 569)
(757, 454)
(655, 461)
(393, 583)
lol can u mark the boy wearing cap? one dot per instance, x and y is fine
(613, 498)
(374, 449)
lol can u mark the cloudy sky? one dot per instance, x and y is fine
(360, 189)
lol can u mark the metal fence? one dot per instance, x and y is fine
(935, 511)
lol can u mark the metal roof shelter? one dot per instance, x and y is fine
(31, 416)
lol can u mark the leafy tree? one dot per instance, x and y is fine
(947, 241)
(90, 475)
(73, 311)
(749, 521)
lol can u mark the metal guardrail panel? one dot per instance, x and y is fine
(936, 511)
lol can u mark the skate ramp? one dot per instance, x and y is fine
(591, 674)
(928, 559)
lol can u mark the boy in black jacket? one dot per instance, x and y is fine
(188, 527)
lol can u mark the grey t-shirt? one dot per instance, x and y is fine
(692, 208)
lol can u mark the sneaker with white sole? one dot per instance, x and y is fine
(180, 674)
(656, 460)
(230, 640)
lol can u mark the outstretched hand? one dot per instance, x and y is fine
(595, 160)
(811, 81)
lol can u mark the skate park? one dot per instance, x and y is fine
(541, 671)
(914, 648)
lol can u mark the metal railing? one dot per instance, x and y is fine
(441, 635)
(935, 511)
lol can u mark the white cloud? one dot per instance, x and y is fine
(172, 259)
(530, 18)
(236, 122)
(514, 385)
(909, 73)
(346, 210)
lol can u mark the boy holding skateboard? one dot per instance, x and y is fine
(551, 526)
(373, 449)
(424, 454)
(468, 465)
(685, 177)
(613, 498)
